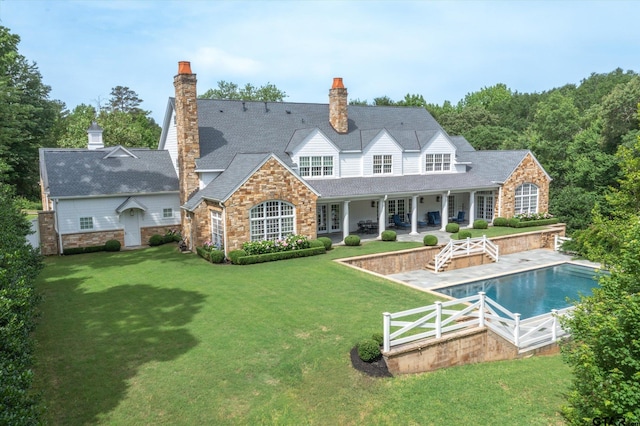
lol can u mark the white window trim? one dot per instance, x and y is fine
(520, 198)
(384, 162)
(261, 219)
(86, 223)
(323, 163)
(437, 164)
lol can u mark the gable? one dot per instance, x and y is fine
(314, 143)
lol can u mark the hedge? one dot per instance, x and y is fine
(81, 250)
(270, 257)
(327, 242)
(528, 223)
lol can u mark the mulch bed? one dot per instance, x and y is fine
(376, 368)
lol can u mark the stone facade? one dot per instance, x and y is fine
(338, 106)
(48, 234)
(147, 233)
(271, 182)
(186, 110)
(90, 239)
(529, 171)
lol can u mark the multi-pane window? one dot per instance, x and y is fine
(316, 166)
(167, 213)
(526, 198)
(217, 231)
(438, 162)
(382, 164)
(86, 223)
(272, 220)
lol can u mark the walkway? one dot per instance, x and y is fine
(509, 263)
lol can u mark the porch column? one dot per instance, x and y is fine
(444, 211)
(472, 208)
(414, 215)
(382, 216)
(345, 219)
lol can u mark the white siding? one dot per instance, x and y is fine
(316, 144)
(438, 145)
(171, 142)
(207, 177)
(103, 212)
(382, 144)
(411, 163)
(350, 165)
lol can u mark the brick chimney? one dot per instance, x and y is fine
(338, 106)
(186, 110)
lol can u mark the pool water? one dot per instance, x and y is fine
(535, 292)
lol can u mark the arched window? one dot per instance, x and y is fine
(526, 198)
(272, 220)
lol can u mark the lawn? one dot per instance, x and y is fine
(153, 336)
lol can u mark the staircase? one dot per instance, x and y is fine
(456, 249)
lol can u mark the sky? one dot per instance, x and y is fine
(441, 50)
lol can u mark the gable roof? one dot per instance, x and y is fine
(224, 185)
(228, 127)
(86, 173)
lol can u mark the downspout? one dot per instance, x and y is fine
(224, 228)
(56, 227)
(500, 201)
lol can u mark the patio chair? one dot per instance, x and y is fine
(433, 218)
(458, 219)
(399, 223)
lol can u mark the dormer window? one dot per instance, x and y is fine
(438, 162)
(382, 164)
(316, 166)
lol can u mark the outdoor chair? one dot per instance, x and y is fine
(433, 218)
(458, 219)
(399, 223)
(420, 223)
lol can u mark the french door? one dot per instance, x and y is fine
(328, 218)
(484, 205)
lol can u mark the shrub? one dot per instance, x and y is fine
(327, 242)
(234, 255)
(539, 222)
(480, 224)
(378, 337)
(290, 242)
(368, 350)
(389, 235)
(352, 240)
(156, 240)
(500, 221)
(430, 240)
(216, 256)
(80, 250)
(112, 245)
(317, 243)
(463, 235)
(513, 222)
(271, 257)
(203, 253)
(452, 228)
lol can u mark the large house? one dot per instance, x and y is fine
(263, 170)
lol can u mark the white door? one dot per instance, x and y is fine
(131, 221)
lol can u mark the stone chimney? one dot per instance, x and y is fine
(95, 137)
(338, 106)
(186, 110)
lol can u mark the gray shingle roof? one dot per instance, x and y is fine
(230, 127)
(83, 173)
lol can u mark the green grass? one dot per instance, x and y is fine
(498, 231)
(154, 336)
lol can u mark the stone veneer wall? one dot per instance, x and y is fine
(271, 182)
(414, 259)
(147, 233)
(48, 234)
(89, 239)
(529, 171)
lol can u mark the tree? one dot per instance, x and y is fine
(125, 100)
(227, 90)
(618, 113)
(19, 267)
(26, 117)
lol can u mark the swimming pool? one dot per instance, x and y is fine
(534, 292)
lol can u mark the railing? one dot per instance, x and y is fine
(464, 248)
(479, 311)
(559, 241)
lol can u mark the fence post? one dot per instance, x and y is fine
(468, 246)
(481, 319)
(554, 334)
(516, 331)
(438, 320)
(386, 331)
